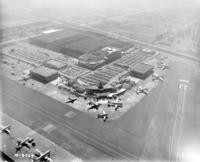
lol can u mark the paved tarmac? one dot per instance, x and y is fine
(147, 131)
(19, 130)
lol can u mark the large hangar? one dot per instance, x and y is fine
(141, 71)
(44, 74)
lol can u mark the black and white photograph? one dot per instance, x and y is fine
(100, 80)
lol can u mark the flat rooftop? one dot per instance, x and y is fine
(44, 71)
(87, 43)
(80, 41)
(142, 68)
(55, 64)
(52, 37)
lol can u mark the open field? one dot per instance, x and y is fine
(76, 43)
(146, 26)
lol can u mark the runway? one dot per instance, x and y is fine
(176, 132)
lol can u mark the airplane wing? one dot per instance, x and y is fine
(6, 129)
(44, 156)
(68, 101)
(161, 78)
(24, 142)
(26, 145)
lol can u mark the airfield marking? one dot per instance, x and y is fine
(77, 131)
(49, 128)
(173, 134)
(31, 133)
(184, 81)
(181, 122)
(70, 114)
(183, 88)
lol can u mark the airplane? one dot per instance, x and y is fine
(100, 86)
(103, 116)
(162, 66)
(117, 104)
(42, 157)
(94, 106)
(24, 78)
(120, 92)
(71, 100)
(142, 90)
(27, 142)
(103, 97)
(91, 103)
(6, 129)
(62, 85)
(157, 77)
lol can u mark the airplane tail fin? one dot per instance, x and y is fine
(8, 127)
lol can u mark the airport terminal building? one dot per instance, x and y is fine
(98, 58)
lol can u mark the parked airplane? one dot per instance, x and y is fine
(71, 100)
(118, 93)
(117, 104)
(42, 157)
(162, 66)
(27, 142)
(142, 90)
(102, 116)
(94, 106)
(5, 129)
(91, 103)
(157, 77)
(24, 78)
